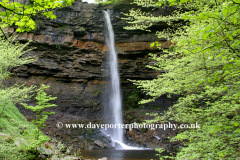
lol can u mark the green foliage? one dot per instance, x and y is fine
(203, 68)
(163, 157)
(81, 29)
(131, 101)
(12, 56)
(42, 103)
(61, 151)
(79, 20)
(18, 138)
(22, 134)
(112, 2)
(58, 46)
(12, 123)
(21, 13)
(107, 2)
(21, 141)
(98, 92)
(63, 27)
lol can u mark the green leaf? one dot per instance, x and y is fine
(18, 4)
(52, 16)
(20, 30)
(230, 37)
(152, 45)
(183, 1)
(237, 131)
(221, 155)
(236, 1)
(235, 124)
(212, 131)
(225, 11)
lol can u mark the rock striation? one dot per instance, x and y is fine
(72, 60)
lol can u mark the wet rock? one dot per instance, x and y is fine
(99, 143)
(157, 137)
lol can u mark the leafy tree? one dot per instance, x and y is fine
(202, 66)
(21, 13)
(12, 56)
(42, 103)
(13, 124)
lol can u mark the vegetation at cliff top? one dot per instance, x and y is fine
(202, 66)
(21, 13)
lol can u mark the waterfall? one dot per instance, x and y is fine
(115, 103)
(113, 109)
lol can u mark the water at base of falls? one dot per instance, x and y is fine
(121, 154)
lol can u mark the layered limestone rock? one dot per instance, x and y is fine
(72, 60)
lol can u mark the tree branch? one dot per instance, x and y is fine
(3, 33)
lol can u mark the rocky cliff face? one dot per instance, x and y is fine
(72, 60)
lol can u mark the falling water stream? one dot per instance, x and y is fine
(115, 104)
(115, 95)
